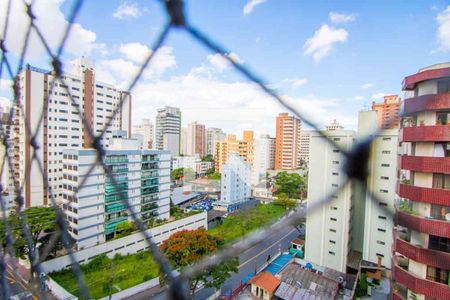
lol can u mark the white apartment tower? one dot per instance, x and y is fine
(328, 226)
(235, 181)
(213, 135)
(145, 129)
(62, 126)
(378, 224)
(94, 210)
(305, 144)
(168, 127)
(264, 157)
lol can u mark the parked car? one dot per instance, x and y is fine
(22, 296)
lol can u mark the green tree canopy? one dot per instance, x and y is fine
(186, 173)
(291, 184)
(41, 222)
(208, 157)
(284, 200)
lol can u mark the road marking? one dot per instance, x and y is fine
(274, 244)
(19, 281)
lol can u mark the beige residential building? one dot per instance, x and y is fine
(231, 144)
(196, 139)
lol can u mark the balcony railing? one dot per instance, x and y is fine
(438, 259)
(110, 226)
(150, 159)
(425, 195)
(149, 166)
(111, 160)
(427, 102)
(114, 207)
(419, 285)
(427, 164)
(437, 133)
(424, 225)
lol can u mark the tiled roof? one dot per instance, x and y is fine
(266, 280)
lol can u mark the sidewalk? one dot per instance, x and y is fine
(22, 273)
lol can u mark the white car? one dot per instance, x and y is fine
(22, 296)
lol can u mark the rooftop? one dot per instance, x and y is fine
(265, 280)
(316, 285)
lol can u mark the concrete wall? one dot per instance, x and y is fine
(129, 244)
(134, 290)
(58, 291)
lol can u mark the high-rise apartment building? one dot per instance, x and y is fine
(423, 215)
(334, 126)
(94, 209)
(168, 127)
(305, 144)
(244, 147)
(264, 157)
(235, 182)
(287, 143)
(388, 111)
(213, 135)
(328, 226)
(372, 218)
(196, 139)
(62, 126)
(183, 140)
(145, 129)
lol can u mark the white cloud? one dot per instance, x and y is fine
(127, 10)
(358, 98)
(251, 4)
(443, 33)
(220, 63)
(323, 40)
(52, 23)
(121, 70)
(294, 82)
(337, 18)
(379, 95)
(367, 85)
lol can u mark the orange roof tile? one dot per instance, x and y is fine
(266, 280)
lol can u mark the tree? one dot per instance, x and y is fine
(186, 173)
(187, 246)
(215, 176)
(124, 229)
(284, 200)
(208, 157)
(290, 184)
(211, 170)
(41, 223)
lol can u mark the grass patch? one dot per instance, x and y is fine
(128, 271)
(243, 222)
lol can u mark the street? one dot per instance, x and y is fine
(17, 284)
(249, 260)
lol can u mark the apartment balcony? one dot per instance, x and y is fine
(429, 257)
(419, 285)
(437, 133)
(150, 159)
(427, 164)
(424, 225)
(424, 195)
(111, 160)
(411, 81)
(426, 102)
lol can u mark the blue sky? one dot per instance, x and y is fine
(329, 58)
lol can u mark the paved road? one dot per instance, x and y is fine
(251, 259)
(17, 284)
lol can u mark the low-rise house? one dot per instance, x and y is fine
(263, 285)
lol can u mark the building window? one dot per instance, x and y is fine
(381, 242)
(386, 152)
(333, 242)
(384, 177)
(386, 139)
(384, 191)
(379, 254)
(381, 230)
(385, 165)
(437, 275)
(332, 252)
(332, 230)
(382, 204)
(382, 217)
(333, 219)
